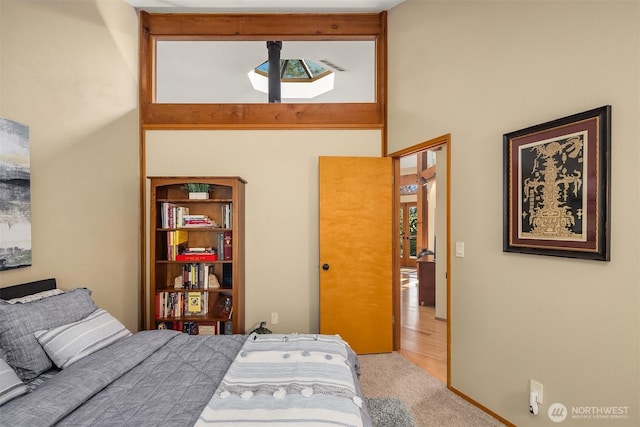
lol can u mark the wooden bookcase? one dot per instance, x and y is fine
(175, 285)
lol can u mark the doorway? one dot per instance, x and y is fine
(423, 332)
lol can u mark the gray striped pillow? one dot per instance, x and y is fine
(10, 385)
(69, 343)
(18, 322)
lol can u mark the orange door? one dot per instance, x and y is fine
(356, 257)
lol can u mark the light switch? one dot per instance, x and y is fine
(460, 249)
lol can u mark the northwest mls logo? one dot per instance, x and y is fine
(557, 412)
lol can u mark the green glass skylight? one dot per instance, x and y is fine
(295, 69)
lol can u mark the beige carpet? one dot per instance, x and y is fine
(430, 402)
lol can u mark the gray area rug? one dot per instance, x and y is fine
(429, 401)
(389, 412)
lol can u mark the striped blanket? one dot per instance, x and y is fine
(300, 379)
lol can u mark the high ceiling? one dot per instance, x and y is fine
(264, 6)
(179, 72)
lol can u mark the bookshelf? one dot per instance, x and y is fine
(196, 255)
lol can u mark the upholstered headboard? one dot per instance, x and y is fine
(18, 291)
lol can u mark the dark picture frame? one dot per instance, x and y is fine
(556, 187)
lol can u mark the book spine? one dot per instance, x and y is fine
(228, 246)
(163, 215)
(225, 216)
(196, 257)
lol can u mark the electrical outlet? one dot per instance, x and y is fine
(535, 386)
(274, 318)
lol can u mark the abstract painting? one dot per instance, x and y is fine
(15, 196)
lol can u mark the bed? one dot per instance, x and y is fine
(64, 361)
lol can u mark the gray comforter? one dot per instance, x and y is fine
(151, 378)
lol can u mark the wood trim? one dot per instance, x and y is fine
(395, 265)
(411, 179)
(381, 80)
(430, 144)
(143, 63)
(311, 27)
(429, 173)
(449, 250)
(480, 406)
(262, 116)
(264, 26)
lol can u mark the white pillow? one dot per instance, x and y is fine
(10, 385)
(35, 297)
(69, 343)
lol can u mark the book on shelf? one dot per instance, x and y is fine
(170, 305)
(198, 328)
(200, 275)
(208, 328)
(227, 276)
(171, 215)
(190, 328)
(197, 254)
(181, 212)
(167, 212)
(223, 307)
(197, 221)
(194, 257)
(177, 242)
(227, 245)
(226, 216)
(194, 305)
(189, 217)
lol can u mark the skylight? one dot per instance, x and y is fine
(299, 78)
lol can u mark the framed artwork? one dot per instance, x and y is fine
(15, 196)
(556, 187)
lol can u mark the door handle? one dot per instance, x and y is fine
(325, 266)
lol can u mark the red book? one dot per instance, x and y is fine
(228, 246)
(196, 257)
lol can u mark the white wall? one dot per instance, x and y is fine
(69, 72)
(281, 169)
(477, 70)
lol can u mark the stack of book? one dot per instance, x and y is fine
(197, 254)
(197, 221)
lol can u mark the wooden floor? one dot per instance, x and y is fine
(424, 338)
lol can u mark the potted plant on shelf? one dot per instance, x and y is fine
(198, 190)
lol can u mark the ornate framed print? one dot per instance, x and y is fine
(556, 187)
